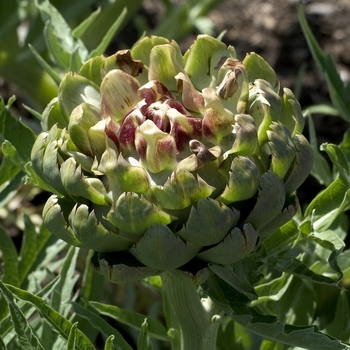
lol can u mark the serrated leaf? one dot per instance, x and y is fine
(330, 241)
(340, 326)
(27, 309)
(132, 319)
(240, 283)
(299, 269)
(279, 242)
(64, 289)
(10, 272)
(298, 304)
(327, 205)
(29, 249)
(57, 321)
(58, 35)
(307, 337)
(100, 324)
(272, 290)
(27, 339)
(339, 160)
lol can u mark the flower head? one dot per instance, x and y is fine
(162, 161)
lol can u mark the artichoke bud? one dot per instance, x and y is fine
(162, 161)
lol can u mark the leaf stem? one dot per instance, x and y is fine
(191, 325)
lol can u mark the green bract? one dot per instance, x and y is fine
(163, 161)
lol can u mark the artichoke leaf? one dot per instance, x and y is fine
(55, 222)
(127, 177)
(180, 191)
(208, 223)
(160, 248)
(283, 217)
(291, 114)
(270, 200)
(204, 59)
(135, 214)
(302, 165)
(236, 246)
(74, 90)
(164, 66)
(121, 267)
(234, 88)
(257, 67)
(243, 182)
(282, 149)
(118, 94)
(246, 142)
(82, 118)
(77, 184)
(93, 234)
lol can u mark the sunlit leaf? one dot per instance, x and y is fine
(308, 337)
(27, 339)
(340, 326)
(57, 321)
(133, 319)
(102, 325)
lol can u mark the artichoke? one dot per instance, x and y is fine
(160, 161)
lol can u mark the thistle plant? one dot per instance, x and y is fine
(165, 164)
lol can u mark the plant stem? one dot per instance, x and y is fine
(192, 326)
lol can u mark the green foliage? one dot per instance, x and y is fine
(288, 294)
